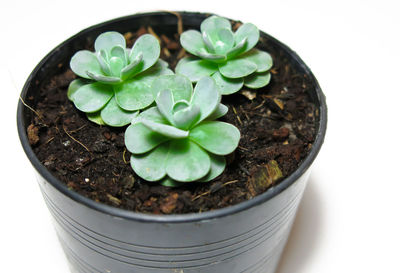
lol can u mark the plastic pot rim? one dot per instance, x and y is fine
(174, 218)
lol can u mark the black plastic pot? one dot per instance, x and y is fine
(248, 237)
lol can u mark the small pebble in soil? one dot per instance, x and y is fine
(33, 134)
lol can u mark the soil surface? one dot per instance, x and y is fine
(277, 124)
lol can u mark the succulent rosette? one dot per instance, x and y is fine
(179, 140)
(230, 58)
(116, 81)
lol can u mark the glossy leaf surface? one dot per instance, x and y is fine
(217, 137)
(149, 46)
(151, 165)
(107, 40)
(195, 70)
(261, 58)
(133, 95)
(217, 166)
(187, 161)
(257, 80)
(165, 130)
(92, 97)
(237, 68)
(139, 139)
(84, 61)
(226, 85)
(250, 32)
(192, 41)
(115, 116)
(206, 96)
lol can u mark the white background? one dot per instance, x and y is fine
(349, 218)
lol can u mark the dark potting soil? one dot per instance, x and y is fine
(277, 125)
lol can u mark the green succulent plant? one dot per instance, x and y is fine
(179, 140)
(230, 58)
(116, 81)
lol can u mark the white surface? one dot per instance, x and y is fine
(349, 219)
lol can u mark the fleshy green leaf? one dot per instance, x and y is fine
(220, 111)
(250, 32)
(179, 85)
(214, 23)
(238, 49)
(84, 61)
(168, 182)
(261, 58)
(207, 42)
(192, 41)
(133, 68)
(206, 96)
(133, 95)
(158, 69)
(218, 164)
(104, 79)
(217, 137)
(180, 105)
(108, 40)
(185, 118)
(237, 68)
(149, 46)
(227, 86)
(103, 61)
(119, 52)
(165, 130)
(116, 65)
(114, 115)
(211, 57)
(185, 60)
(92, 97)
(162, 63)
(195, 70)
(103, 54)
(139, 139)
(75, 85)
(151, 166)
(152, 114)
(165, 104)
(186, 161)
(222, 39)
(257, 80)
(128, 54)
(96, 118)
